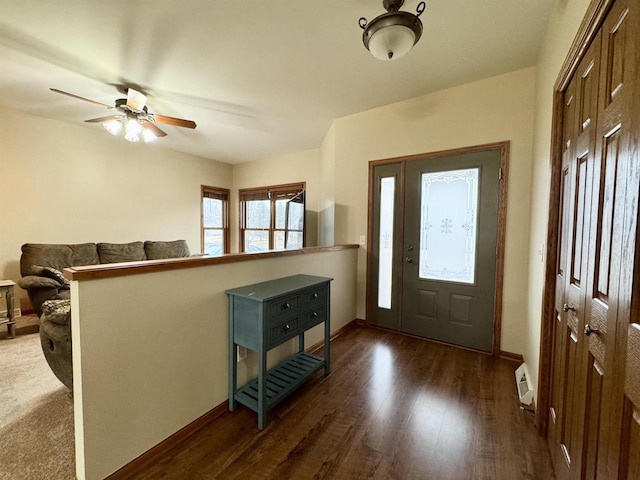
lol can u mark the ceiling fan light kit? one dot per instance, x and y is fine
(114, 127)
(392, 34)
(134, 121)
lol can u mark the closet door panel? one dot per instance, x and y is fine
(589, 372)
(614, 235)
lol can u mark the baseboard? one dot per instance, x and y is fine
(346, 328)
(155, 454)
(516, 357)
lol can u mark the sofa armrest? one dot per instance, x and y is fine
(35, 282)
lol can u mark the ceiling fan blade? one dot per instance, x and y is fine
(105, 119)
(80, 98)
(135, 99)
(178, 122)
(156, 131)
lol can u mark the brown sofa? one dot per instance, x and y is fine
(41, 267)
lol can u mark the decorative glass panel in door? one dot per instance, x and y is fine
(448, 225)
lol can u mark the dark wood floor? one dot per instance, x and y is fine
(393, 407)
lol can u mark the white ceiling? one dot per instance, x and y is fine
(260, 78)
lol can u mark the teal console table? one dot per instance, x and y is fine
(264, 315)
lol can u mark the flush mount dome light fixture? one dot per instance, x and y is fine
(392, 34)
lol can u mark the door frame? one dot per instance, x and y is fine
(596, 13)
(503, 147)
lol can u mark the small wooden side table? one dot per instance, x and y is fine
(6, 288)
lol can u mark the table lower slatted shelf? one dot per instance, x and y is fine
(281, 380)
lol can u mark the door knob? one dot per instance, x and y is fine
(566, 308)
(408, 260)
(409, 247)
(588, 330)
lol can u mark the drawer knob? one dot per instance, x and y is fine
(314, 295)
(314, 315)
(286, 327)
(286, 306)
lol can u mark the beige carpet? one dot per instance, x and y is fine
(36, 413)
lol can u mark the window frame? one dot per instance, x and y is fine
(223, 194)
(271, 193)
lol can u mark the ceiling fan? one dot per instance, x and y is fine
(133, 119)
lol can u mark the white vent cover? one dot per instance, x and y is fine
(525, 392)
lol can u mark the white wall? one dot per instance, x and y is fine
(298, 167)
(146, 365)
(563, 26)
(63, 183)
(490, 110)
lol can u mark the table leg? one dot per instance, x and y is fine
(327, 348)
(262, 390)
(233, 362)
(327, 335)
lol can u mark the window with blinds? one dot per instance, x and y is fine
(272, 218)
(215, 220)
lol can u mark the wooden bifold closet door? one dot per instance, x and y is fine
(594, 414)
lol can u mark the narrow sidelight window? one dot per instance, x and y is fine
(385, 262)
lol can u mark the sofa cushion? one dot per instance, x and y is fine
(121, 252)
(159, 250)
(36, 281)
(36, 255)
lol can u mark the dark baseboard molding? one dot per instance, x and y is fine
(516, 357)
(155, 454)
(346, 328)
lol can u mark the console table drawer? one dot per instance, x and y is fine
(314, 317)
(283, 331)
(315, 296)
(283, 306)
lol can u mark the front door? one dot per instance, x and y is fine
(450, 234)
(433, 264)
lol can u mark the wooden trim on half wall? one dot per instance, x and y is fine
(592, 21)
(501, 233)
